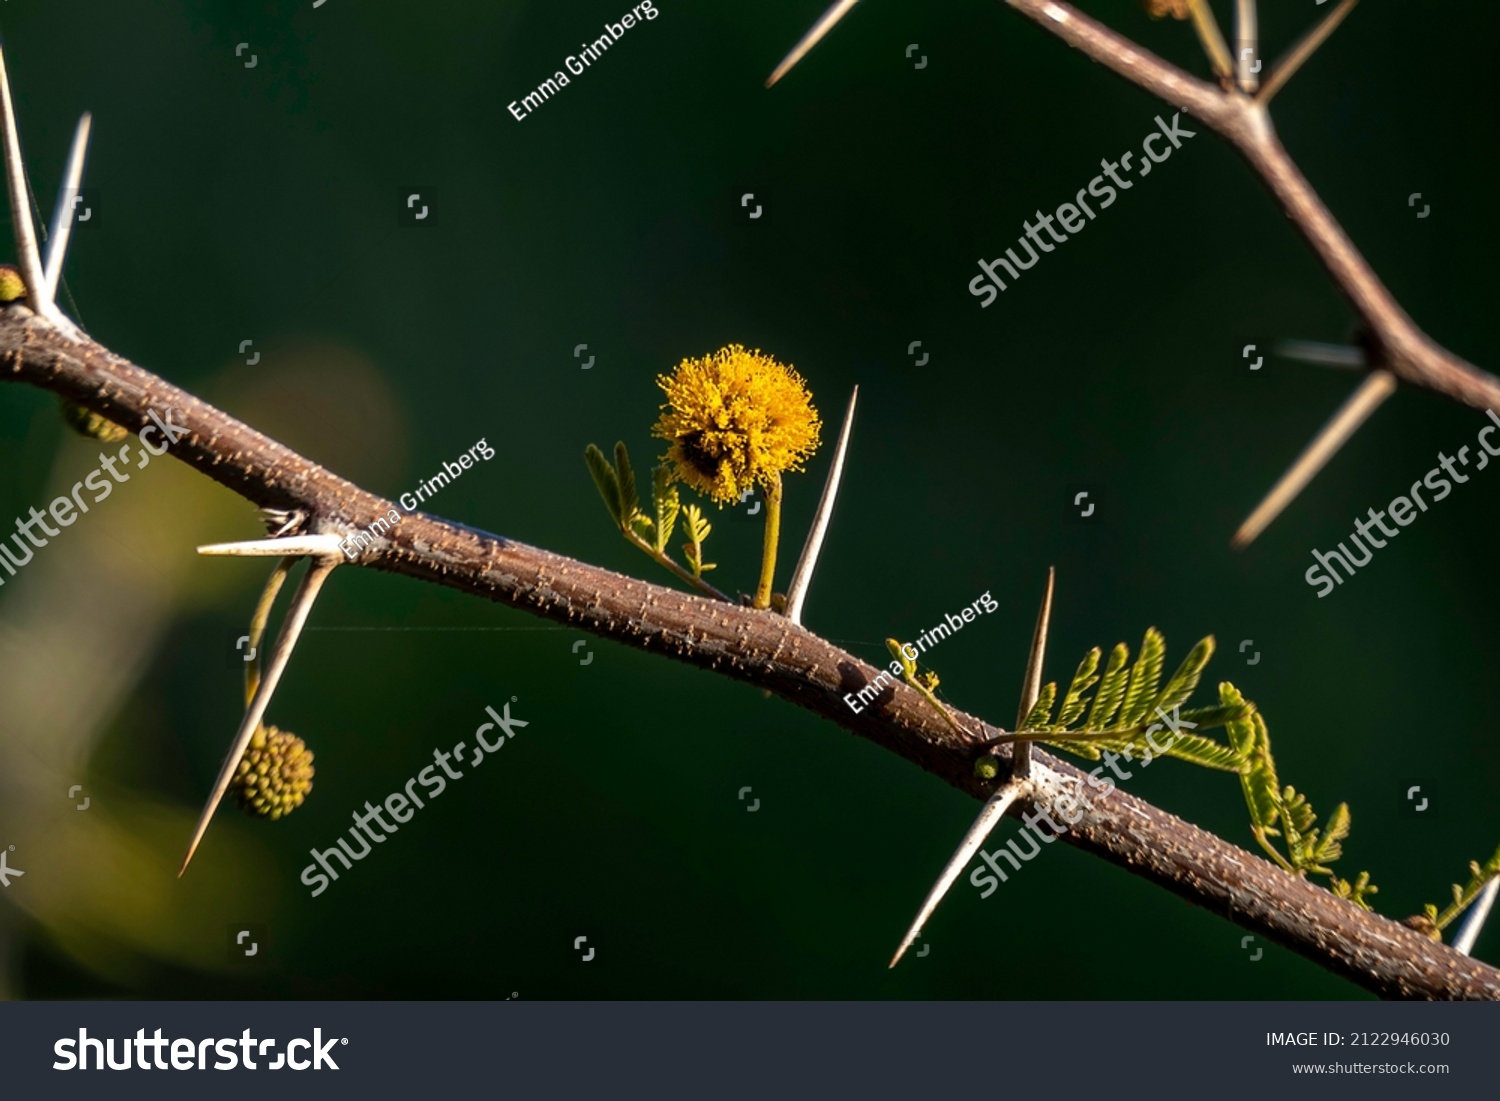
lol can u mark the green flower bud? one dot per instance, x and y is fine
(275, 774)
(88, 423)
(987, 768)
(12, 287)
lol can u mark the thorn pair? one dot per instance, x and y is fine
(1019, 785)
(41, 279)
(324, 554)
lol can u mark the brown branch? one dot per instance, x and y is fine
(758, 647)
(1399, 345)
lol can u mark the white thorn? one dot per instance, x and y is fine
(989, 816)
(29, 259)
(796, 593)
(1377, 386)
(62, 216)
(1345, 356)
(302, 604)
(1474, 922)
(315, 546)
(1031, 685)
(836, 12)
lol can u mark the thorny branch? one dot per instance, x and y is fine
(760, 648)
(773, 651)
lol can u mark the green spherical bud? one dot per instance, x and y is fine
(987, 768)
(12, 287)
(88, 423)
(275, 774)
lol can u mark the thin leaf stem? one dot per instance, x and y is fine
(661, 559)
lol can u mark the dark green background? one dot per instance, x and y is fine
(263, 203)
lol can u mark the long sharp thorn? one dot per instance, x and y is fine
(1378, 386)
(989, 816)
(29, 259)
(1031, 686)
(62, 216)
(302, 603)
(796, 593)
(836, 12)
(1288, 65)
(316, 546)
(1469, 933)
(1346, 357)
(1213, 41)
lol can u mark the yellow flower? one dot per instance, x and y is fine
(12, 288)
(735, 419)
(275, 774)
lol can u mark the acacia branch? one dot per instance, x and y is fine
(1398, 344)
(758, 647)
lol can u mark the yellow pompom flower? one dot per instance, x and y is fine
(735, 420)
(275, 774)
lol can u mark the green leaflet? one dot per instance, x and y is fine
(1186, 746)
(629, 502)
(1083, 680)
(1144, 678)
(1111, 690)
(607, 481)
(1241, 731)
(1185, 680)
(1041, 711)
(697, 528)
(1329, 848)
(664, 498)
(1211, 718)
